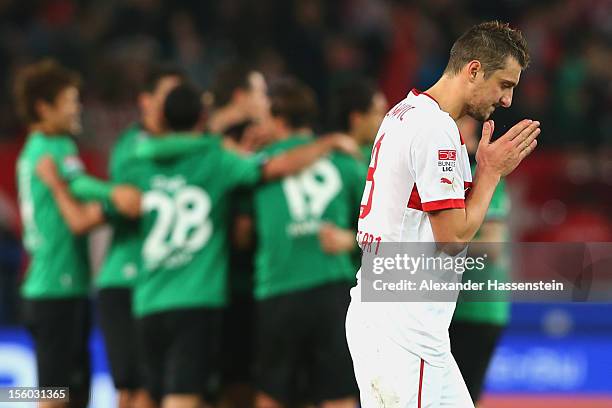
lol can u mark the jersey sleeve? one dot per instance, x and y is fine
(239, 170)
(87, 188)
(82, 186)
(69, 164)
(438, 160)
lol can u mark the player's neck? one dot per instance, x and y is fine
(44, 128)
(448, 92)
(355, 135)
(301, 131)
(362, 139)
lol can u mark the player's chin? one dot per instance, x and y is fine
(480, 116)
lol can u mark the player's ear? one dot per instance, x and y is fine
(473, 68)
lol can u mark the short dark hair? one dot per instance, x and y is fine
(43, 80)
(490, 43)
(183, 108)
(230, 77)
(294, 102)
(355, 95)
(160, 71)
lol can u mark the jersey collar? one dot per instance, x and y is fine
(416, 92)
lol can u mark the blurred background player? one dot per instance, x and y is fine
(357, 109)
(301, 283)
(239, 102)
(119, 270)
(477, 326)
(182, 288)
(240, 108)
(56, 287)
(241, 113)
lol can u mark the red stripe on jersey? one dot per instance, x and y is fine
(415, 199)
(467, 186)
(461, 138)
(421, 382)
(444, 204)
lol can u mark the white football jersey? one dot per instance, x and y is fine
(419, 163)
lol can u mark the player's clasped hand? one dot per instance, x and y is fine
(504, 155)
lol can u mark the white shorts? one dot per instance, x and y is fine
(390, 376)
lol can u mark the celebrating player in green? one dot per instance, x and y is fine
(239, 110)
(358, 108)
(56, 285)
(302, 282)
(120, 267)
(181, 286)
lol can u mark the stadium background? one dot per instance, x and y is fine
(552, 354)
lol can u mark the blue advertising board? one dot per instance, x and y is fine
(547, 350)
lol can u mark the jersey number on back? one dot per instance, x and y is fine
(181, 225)
(369, 187)
(310, 192)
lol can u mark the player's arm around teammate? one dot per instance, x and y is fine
(273, 168)
(81, 217)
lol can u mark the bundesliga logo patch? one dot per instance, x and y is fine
(447, 160)
(447, 155)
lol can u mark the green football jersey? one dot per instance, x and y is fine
(495, 312)
(183, 229)
(120, 266)
(59, 266)
(366, 153)
(288, 214)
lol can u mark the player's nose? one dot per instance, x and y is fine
(506, 100)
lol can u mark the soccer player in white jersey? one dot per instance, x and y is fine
(419, 189)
